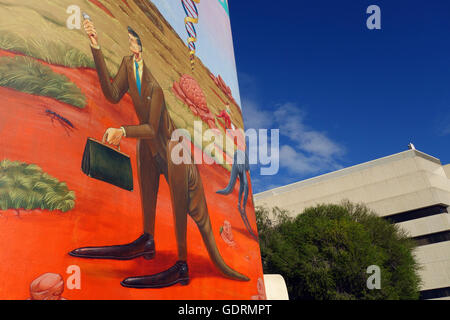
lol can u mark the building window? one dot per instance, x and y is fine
(432, 238)
(435, 293)
(416, 214)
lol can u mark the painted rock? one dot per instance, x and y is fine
(48, 286)
(227, 234)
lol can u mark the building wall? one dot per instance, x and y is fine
(392, 185)
(49, 206)
(447, 170)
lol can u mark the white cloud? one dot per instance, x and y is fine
(290, 118)
(320, 144)
(296, 162)
(306, 150)
(254, 118)
(301, 163)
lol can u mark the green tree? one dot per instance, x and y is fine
(324, 253)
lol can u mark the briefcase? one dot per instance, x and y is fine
(105, 163)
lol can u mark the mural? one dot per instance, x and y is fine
(92, 203)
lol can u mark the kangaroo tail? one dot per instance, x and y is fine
(204, 225)
(233, 179)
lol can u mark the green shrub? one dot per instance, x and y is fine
(324, 253)
(53, 52)
(26, 186)
(28, 75)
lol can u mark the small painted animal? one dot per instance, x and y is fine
(67, 125)
(240, 168)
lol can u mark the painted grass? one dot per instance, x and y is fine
(27, 187)
(52, 52)
(28, 75)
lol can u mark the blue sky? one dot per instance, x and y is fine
(339, 93)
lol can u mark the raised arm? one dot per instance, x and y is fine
(115, 90)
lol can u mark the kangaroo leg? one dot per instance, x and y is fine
(148, 176)
(241, 191)
(243, 210)
(198, 210)
(179, 273)
(178, 184)
(233, 179)
(244, 182)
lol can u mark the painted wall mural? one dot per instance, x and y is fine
(92, 203)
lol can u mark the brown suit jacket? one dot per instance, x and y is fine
(155, 125)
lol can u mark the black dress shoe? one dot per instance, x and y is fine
(142, 247)
(179, 273)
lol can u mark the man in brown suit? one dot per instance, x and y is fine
(153, 155)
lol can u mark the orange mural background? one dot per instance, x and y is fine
(35, 242)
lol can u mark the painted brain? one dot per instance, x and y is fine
(193, 92)
(48, 286)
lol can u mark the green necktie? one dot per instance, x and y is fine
(138, 78)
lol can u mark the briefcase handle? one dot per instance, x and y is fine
(107, 144)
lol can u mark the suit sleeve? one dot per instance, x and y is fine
(115, 90)
(149, 129)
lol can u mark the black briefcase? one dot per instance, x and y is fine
(103, 162)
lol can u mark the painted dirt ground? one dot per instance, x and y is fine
(37, 242)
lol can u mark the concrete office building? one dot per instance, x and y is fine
(410, 188)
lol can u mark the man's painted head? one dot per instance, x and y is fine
(135, 41)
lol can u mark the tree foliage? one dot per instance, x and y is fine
(324, 253)
(26, 186)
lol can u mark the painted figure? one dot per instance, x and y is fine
(153, 156)
(240, 167)
(226, 116)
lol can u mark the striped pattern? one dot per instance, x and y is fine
(191, 19)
